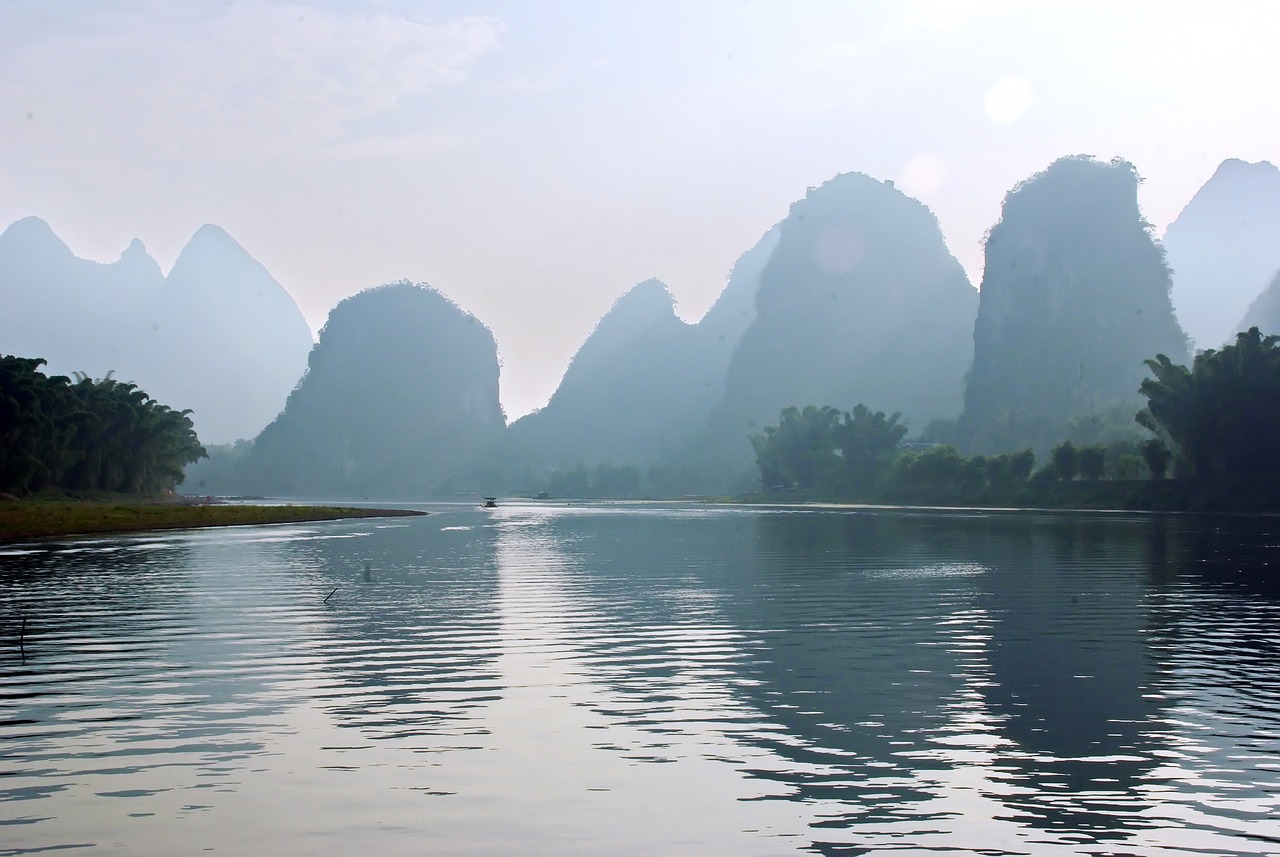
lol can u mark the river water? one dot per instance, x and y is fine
(647, 679)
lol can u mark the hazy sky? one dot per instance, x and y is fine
(533, 160)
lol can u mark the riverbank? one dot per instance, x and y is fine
(1145, 495)
(34, 519)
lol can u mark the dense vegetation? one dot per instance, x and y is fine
(824, 448)
(1221, 417)
(1216, 425)
(105, 435)
(859, 455)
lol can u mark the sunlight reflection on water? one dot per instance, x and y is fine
(640, 679)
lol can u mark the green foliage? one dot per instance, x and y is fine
(1108, 427)
(1157, 457)
(867, 442)
(859, 455)
(1048, 473)
(942, 469)
(87, 436)
(1128, 466)
(998, 470)
(800, 449)
(938, 467)
(1065, 461)
(1221, 418)
(821, 447)
(1021, 464)
(1092, 461)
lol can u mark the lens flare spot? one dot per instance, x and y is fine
(1008, 99)
(922, 175)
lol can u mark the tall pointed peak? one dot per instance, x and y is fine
(211, 239)
(213, 254)
(210, 233)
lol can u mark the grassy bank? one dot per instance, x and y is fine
(30, 519)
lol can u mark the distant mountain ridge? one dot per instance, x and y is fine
(644, 381)
(217, 335)
(853, 298)
(1224, 250)
(1264, 312)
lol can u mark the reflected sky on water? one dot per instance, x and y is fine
(641, 679)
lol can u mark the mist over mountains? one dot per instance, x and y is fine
(860, 302)
(1075, 296)
(644, 382)
(1224, 249)
(851, 298)
(400, 394)
(217, 335)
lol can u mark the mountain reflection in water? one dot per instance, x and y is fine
(638, 679)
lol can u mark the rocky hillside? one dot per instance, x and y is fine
(1075, 296)
(861, 302)
(400, 398)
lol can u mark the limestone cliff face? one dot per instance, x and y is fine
(218, 335)
(1075, 296)
(1223, 249)
(861, 302)
(399, 398)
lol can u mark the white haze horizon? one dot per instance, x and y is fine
(535, 161)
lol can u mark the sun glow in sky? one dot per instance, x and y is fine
(535, 160)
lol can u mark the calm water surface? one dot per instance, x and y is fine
(631, 679)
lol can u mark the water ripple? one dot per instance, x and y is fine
(644, 679)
